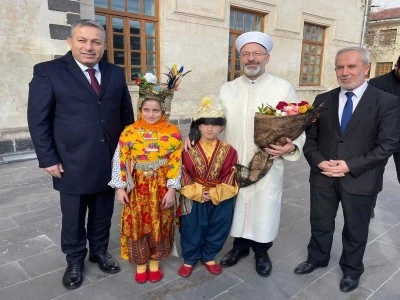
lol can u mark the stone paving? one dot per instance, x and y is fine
(32, 265)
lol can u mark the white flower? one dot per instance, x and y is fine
(150, 78)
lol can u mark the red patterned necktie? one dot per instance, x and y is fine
(93, 81)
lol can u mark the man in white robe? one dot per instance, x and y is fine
(258, 206)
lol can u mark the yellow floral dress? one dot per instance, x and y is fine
(149, 157)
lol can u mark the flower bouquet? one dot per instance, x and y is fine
(272, 125)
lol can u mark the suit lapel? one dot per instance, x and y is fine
(361, 109)
(334, 105)
(76, 72)
(105, 76)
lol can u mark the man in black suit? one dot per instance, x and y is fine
(347, 149)
(77, 108)
(390, 82)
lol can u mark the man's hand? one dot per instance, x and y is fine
(276, 151)
(55, 171)
(188, 144)
(122, 197)
(334, 168)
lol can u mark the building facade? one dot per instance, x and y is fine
(152, 35)
(383, 40)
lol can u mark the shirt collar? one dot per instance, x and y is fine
(260, 78)
(84, 68)
(358, 92)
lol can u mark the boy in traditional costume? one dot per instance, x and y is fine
(208, 190)
(146, 173)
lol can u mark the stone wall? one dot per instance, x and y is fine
(192, 33)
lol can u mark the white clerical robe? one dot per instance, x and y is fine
(258, 206)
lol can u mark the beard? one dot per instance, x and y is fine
(251, 71)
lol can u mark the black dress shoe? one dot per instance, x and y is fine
(263, 264)
(232, 257)
(105, 262)
(306, 267)
(73, 276)
(348, 284)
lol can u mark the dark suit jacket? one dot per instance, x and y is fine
(368, 141)
(70, 124)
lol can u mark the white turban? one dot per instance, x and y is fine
(254, 37)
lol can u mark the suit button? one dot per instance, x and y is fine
(99, 102)
(102, 140)
(102, 121)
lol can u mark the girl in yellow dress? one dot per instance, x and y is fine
(146, 173)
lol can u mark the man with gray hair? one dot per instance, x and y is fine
(347, 149)
(78, 105)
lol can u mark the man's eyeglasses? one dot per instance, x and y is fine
(254, 54)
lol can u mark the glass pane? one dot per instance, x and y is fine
(314, 33)
(310, 79)
(135, 73)
(307, 32)
(311, 69)
(305, 69)
(101, 3)
(316, 80)
(257, 23)
(118, 25)
(313, 50)
(240, 18)
(319, 50)
(307, 48)
(135, 43)
(135, 58)
(316, 70)
(119, 57)
(118, 5)
(150, 45)
(150, 59)
(118, 41)
(101, 20)
(151, 70)
(320, 34)
(105, 55)
(318, 61)
(305, 59)
(134, 6)
(230, 40)
(135, 27)
(232, 20)
(312, 59)
(149, 8)
(248, 22)
(303, 79)
(150, 29)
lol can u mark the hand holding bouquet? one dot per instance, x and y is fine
(272, 125)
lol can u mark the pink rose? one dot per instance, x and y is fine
(291, 110)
